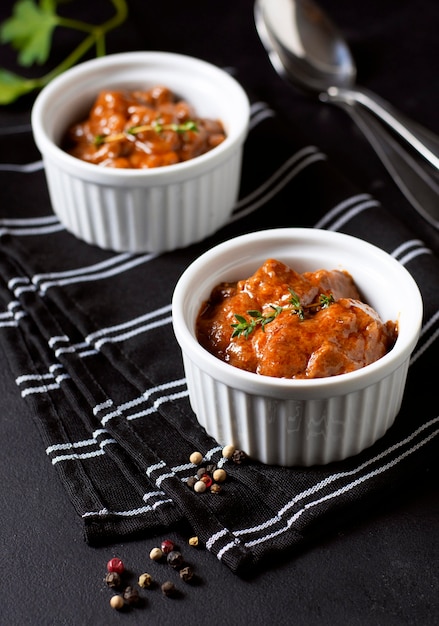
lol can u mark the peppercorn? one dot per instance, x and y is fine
(228, 451)
(155, 554)
(219, 475)
(131, 595)
(117, 602)
(168, 588)
(191, 481)
(207, 480)
(186, 574)
(167, 546)
(200, 487)
(196, 458)
(210, 468)
(113, 580)
(201, 471)
(215, 488)
(239, 457)
(115, 565)
(145, 580)
(193, 541)
(175, 559)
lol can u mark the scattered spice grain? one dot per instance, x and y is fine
(113, 580)
(131, 596)
(186, 574)
(115, 565)
(196, 458)
(239, 457)
(167, 546)
(156, 554)
(219, 475)
(117, 602)
(168, 588)
(200, 487)
(145, 580)
(175, 559)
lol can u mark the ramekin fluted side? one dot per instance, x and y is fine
(295, 431)
(156, 218)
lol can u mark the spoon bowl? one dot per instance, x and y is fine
(307, 49)
(304, 45)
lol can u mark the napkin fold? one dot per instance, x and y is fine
(88, 337)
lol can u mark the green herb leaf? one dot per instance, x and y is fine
(245, 327)
(189, 125)
(13, 86)
(156, 126)
(30, 29)
(294, 301)
(326, 301)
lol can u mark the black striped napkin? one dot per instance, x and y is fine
(88, 337)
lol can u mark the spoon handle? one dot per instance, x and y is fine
(420, 189)
(421, 140)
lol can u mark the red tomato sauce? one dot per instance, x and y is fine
(320, 327)
(141, 129)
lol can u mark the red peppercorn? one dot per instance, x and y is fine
(167, 546)
(207, 480)
(115, 565)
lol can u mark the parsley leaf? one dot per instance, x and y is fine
(30, 30)
(13, 86)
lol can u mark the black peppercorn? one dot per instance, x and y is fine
(239, 457)
(201, 471)
(175, 559)
(113, 580)
(186, 574)
(210, 468)
(131, 595)
(191, 481)
(168, 588)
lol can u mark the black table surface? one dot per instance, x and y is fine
(380, 569)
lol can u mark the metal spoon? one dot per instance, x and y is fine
(304, 45)
(306, 48)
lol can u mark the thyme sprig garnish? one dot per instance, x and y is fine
(157, 126)
(299, 309)
(244, 327)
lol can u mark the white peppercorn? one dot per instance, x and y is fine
(200, 486)
(155, 554)
(117, 602)
(228, 451)
(196, 458)
(219, 475)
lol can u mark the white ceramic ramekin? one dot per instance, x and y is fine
(298, 422)
(154, 210)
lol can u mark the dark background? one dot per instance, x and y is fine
(379, 569)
